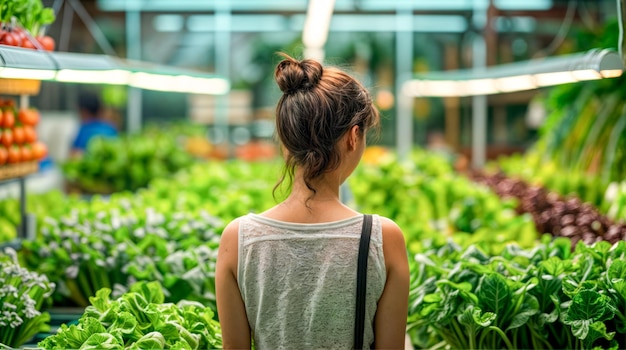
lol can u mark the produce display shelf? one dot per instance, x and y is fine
(11, 171)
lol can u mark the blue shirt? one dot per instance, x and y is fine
(90, 129)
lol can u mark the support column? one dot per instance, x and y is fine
(479, 103)
(452, 104)
(404, 69)
(222, 67)
(133, 52)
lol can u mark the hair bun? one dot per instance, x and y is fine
(292, 75)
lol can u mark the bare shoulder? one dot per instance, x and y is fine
(232, 229)
(229, 242)
(392, 233)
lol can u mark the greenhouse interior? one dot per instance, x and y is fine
(132, 132)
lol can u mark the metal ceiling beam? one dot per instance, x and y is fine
(339, 23)
(301, 5)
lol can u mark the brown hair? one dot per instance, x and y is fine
(318, 106)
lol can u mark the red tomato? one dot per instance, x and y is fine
(23, 115)
(40, 151)
(27, 154)
(30, 135)
(18, 135)
(27, 44)
(28, 116)
(7, 39)
(15, 155)
(12, 39)
(47, 42)
(34, 114)
(6, 138)
(4, 155)
(21, 34)
(9, 118)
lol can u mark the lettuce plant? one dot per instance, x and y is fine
(22, 293)
(139, 319)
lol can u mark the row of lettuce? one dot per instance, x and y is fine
(479, 270)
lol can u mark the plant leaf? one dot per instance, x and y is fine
(102, 341)
(617, 270)
(152, 340)
(589, 305)
(494, 295)
(580, 328)
(529, 308)
(597, 330)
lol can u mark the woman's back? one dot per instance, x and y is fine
(287, 277)
(298, 281)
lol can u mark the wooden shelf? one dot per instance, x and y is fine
(10, 171)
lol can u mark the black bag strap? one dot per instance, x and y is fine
(361, 282)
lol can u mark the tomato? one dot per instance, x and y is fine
(23, 115)
(39, 149)
(12, 38)
(4, 155)
(30, 135)
(47, 42)
(28, 116)
(8, 39)
(18, 135)
(27, 154)
(21, 34)
(15, 155)
(27, 44)
(9, 118)
(6, 138)
(34, 114)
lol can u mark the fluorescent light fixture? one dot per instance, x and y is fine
(515, 83)
(89, 69)
(113, 76)
(168, 23)
(151, 76)
(21, 63)
(520, 76)
(611, 73)
(481, 87)
(317, 23)
(153, 81)
(70, 67)
(180, 83)
(20, 73)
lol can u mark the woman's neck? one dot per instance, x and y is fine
(325, 191)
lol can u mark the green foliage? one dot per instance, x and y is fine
(22, 294)
(432, 203)
(128, 162)
(547, 297)
(168, 232)
(585, 131)
(30, 14)
(139, 319)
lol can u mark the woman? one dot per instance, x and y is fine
(286, 278)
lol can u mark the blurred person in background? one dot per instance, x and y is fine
(286, 278)
(92, 122)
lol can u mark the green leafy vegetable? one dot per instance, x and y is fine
(139, 320)
(22, 295)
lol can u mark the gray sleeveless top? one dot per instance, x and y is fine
(298, 281)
